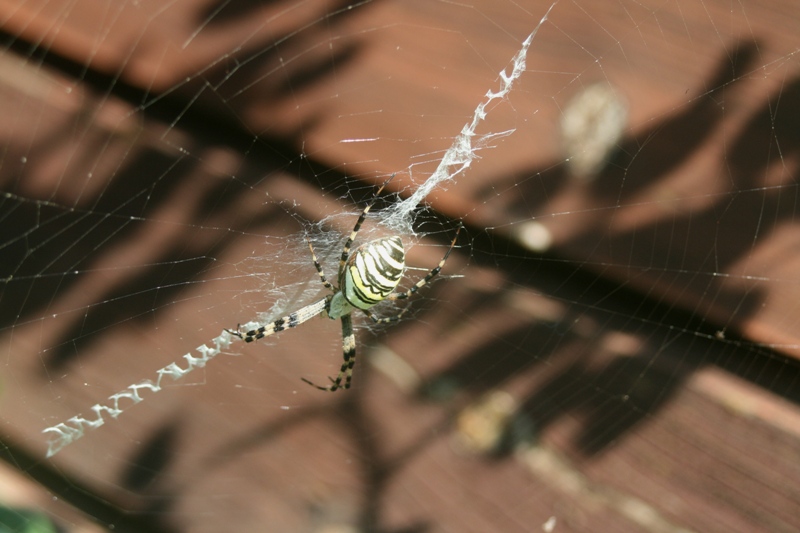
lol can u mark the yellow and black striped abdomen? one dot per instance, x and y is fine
(373, 271)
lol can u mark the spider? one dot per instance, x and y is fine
(366, 277)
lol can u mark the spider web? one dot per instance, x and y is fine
(611, 346)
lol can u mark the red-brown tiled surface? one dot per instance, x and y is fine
(153, 147)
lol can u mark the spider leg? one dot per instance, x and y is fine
(349, 354)
(349, 242)
(424, 281)
(319, 267)
(292, 320)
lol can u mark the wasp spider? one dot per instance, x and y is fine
(366, 277)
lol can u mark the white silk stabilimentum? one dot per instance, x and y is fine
(399, 217)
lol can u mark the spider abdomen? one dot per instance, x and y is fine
(373, 271)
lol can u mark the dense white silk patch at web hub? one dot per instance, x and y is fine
(399, 217)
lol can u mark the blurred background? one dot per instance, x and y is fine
(612, 346)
